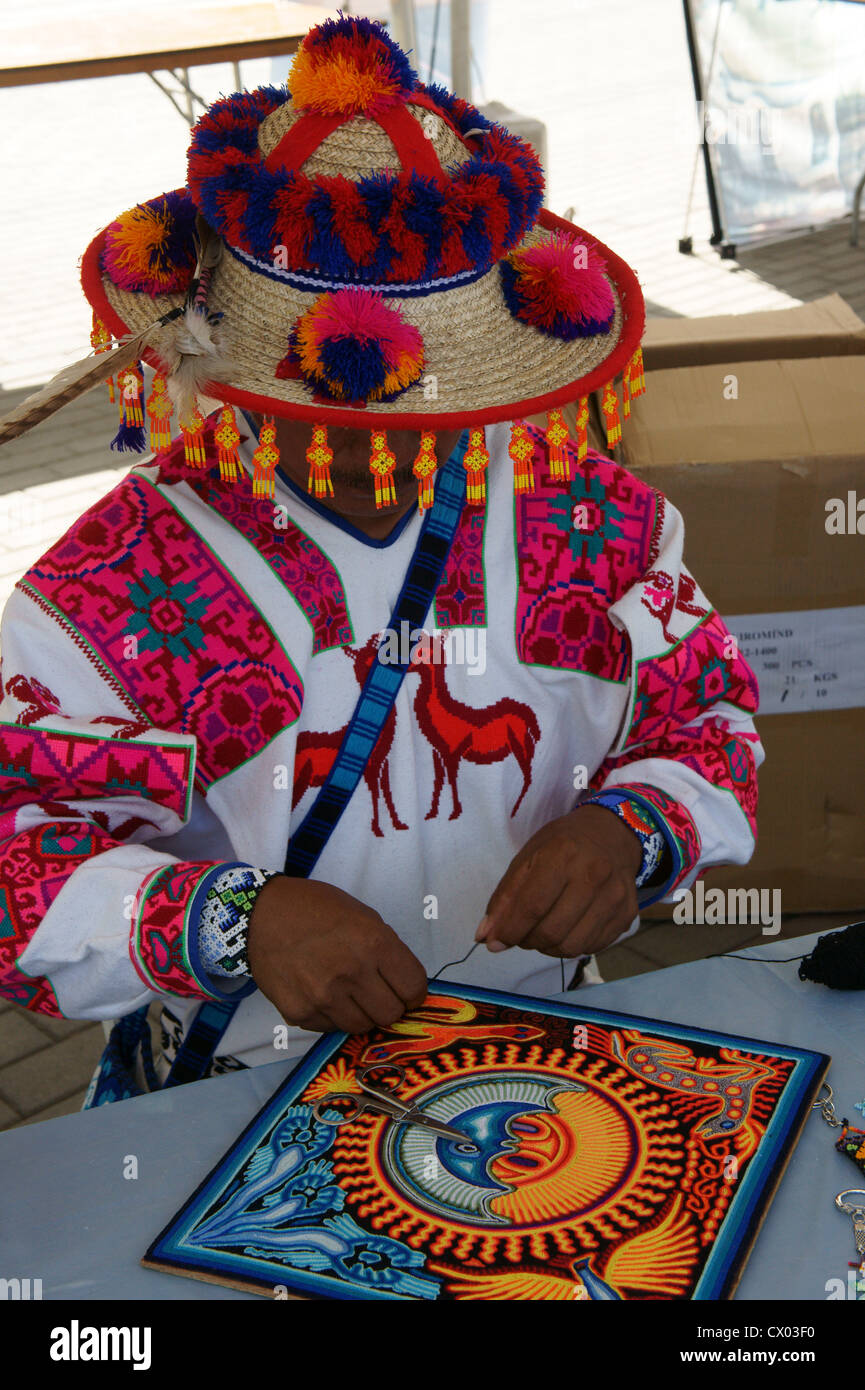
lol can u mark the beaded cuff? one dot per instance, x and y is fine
(657, 860)
(224, 921)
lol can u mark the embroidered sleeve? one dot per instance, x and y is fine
(93, 921)
(687, 750)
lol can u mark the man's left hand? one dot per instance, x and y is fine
(570, 890)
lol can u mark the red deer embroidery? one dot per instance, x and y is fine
(658, 597)
(315, 751)
(37, 699)
(456, 730)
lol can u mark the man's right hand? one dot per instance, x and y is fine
(327, 961)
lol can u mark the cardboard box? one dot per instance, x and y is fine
(826, 327)
(752, 472)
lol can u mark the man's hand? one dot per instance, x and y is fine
(570, 890)
(327, 961)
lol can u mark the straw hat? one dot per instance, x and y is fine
(360, 249)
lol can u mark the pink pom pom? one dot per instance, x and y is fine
(559, 287)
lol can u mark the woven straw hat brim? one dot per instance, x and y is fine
(481, 365)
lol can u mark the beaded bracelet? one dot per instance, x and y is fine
(223, 925)
(639, 819)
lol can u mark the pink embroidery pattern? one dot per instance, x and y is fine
(157, 941)
(34, 866)
(579, 548)
(39, 763)
(207, 662)
(674, 688)
(310, 577)
(461, 597)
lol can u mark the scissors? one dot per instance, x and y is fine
(382, 1100)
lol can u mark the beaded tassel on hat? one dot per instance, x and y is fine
(638, 376)
(475, 460)
(633, 381)
(522, 452)
(382, 462)
(192, 429)
(582, 440)
(424, 468)
(319, 456)
(264, 461)
(130, 435)
(558, 439)
(610, 407)
(100, 341)
(159, 410)
(227, 437)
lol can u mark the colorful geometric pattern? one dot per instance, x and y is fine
(159, 939)
(461, 596)
(724, 758)
(34, 865)
(40, 763)
(578, 551)
(672, 689)
(307, 573)
(605, 1157)
(152, 602)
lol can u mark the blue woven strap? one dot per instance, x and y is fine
(384, 679)
(200, 1042)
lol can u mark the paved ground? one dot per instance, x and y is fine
(612, 83)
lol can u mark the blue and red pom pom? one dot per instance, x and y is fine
(150, 249)
(351, 346)
(350, 67)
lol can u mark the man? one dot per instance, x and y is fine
(354, 305)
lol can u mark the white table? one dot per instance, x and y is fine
(69, 1217)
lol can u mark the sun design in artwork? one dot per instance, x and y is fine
(336, 1077)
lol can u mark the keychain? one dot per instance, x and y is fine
(852, 1200)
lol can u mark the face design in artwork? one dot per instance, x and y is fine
(539, 1150)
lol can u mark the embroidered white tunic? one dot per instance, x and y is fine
(179, 668)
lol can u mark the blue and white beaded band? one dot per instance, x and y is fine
(224, 921)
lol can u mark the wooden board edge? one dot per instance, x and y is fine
(224, 1281)
(770, 1192)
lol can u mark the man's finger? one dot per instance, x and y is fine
(533, 897)
(350, 1017)
(612, 911)
(508, 883)
(551, 931)
(376, 998)
(402, 971)
(315, 1023)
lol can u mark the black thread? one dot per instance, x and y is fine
(474, 947)
(455, 962)
(758, 960)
